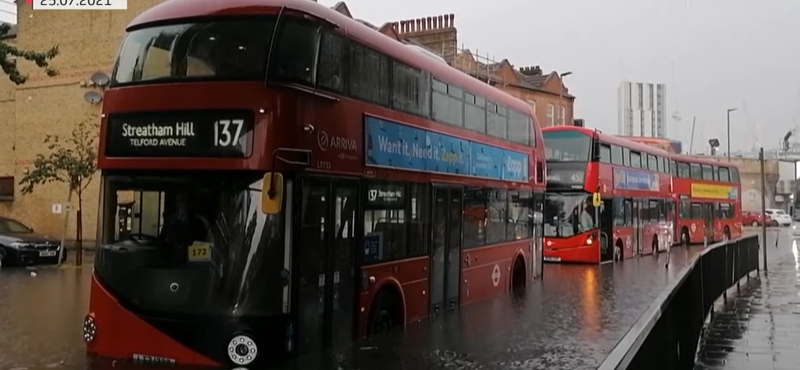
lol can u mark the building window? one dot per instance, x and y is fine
(562, 116)
(6, 188)
(551, 115)
(532, 104)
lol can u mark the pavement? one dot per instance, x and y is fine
(759, 328)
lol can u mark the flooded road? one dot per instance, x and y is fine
(569, 320)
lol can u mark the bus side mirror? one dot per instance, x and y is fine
(272, 193)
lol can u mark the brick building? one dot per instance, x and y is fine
(88, 41)
(545, 93)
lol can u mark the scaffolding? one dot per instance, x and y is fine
(481, 67)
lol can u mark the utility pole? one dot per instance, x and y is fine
(763, 209)
(729, 132)
(691, 141)
(558, 112)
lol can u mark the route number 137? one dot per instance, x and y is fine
(222, 132)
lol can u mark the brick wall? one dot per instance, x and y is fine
(88, 41)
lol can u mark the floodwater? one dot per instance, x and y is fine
(569, 320)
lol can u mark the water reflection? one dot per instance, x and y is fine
(591, 308)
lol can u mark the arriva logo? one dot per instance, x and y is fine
(326, 142)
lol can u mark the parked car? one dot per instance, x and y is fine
(779, 216)
(755, 219)
(21, 246)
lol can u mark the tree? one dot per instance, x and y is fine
(72, 162)
(9, 66)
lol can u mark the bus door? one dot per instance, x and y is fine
(606, 231)
(708, 220)
(637, 227)
(324, 262)
(446, 248)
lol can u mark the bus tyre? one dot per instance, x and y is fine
(754, 224)
(726, 234)
(518, 276)
(685, 237)
(384, 313)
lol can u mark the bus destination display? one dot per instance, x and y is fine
(181, 134)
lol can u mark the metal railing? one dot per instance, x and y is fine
(666, 335)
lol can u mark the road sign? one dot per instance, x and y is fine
(596, 200)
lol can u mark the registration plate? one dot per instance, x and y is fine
(199, 252)
(552, 259)
(47, 254)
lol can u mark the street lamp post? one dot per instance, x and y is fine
(729, 132)
(561, 95)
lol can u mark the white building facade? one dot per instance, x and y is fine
(642, 109)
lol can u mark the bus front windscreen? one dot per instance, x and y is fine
(568, 214)
(191, 244)
(227, 49)
(567, 146)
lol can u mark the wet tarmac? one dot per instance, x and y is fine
(570, 320)
(759, 328)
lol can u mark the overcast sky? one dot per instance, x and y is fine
(722, 52)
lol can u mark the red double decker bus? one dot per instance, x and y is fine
(278, 177)
(708, 199)
(634, 209)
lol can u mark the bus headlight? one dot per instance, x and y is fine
(242, 350)
(89, 329)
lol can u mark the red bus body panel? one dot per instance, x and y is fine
(138, 337)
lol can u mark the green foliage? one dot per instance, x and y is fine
(72, 161)
(42, 59)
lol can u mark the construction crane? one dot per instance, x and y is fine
(752, 128)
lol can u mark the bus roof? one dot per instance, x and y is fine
(179, 9)
(612, 139)
(701, 160)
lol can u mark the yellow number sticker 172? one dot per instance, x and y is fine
(200, 251)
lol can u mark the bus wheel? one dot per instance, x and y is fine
(384, 313)
(685, 237)
(754, 224)
(518, 276)
(726, 234)
(618, 251)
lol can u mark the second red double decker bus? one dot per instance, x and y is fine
(708, 198)
(632, 180)
(278, 177)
